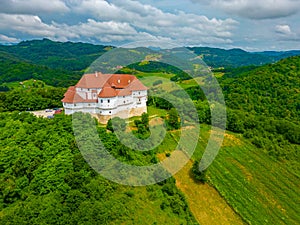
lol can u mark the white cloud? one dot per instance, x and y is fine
(6, 39)
(182, 27)
(124, 20)
(285, 33)
(33, 25)
(256, 9)
(32, 6)
(283, 29)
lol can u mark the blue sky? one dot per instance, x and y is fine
(252, 25)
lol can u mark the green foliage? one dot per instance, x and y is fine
(109, 125)
(197, 174)
(117, 123)
(14, 69)
(271, 90)
(159, 102)
(45, 180)
(57, 55)
(216, 57)
(142, 126)
(31, 99)
(157, 82)
(173, 120)
(154, 67)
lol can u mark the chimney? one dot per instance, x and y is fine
(96, 74)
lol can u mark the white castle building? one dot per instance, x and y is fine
(106, 96)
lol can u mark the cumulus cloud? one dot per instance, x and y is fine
(283, 29)
(182, 27)
(286, 33)
(120, 21)
(256, 9)
(33, 25)
(6, 39)
(32, 6)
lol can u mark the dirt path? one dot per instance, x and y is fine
(205, 202)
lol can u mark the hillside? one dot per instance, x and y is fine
(254, 179)
(270, 90)
(216, 57)
(78, 56)
(13, 69)
(45, 180)
(58, 55)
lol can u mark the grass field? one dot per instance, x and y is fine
(149, 211)
(206, 204)
(246, 185)
(27, 84)
(259, 189)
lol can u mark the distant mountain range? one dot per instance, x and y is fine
(78, 56)
(63, 63)
(217, 57)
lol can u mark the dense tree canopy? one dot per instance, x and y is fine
(45, 180)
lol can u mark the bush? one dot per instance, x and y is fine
(197, 174)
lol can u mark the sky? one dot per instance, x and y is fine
(252, 25)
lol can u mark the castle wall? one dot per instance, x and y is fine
(124, 114)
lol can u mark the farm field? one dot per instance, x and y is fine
(259, 189)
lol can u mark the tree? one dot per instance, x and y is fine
(117, 124)
(173, 120)
(198, 174)
(145, 120)
(109, 125)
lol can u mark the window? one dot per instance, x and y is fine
(109, 112)
(74, 104)
(124, 102)
(101, 100)
(108, 101)
(139, 93)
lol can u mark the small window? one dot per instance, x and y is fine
(88, 89)
(101, 101)
(109, 112)
(108, 101)
(124, 102)
(89, 104)
(74, 104)
(139, 93)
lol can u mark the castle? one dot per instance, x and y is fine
(106, 95)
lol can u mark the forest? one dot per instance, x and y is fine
(45, 179)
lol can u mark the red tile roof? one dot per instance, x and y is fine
(108, 92)
(93, 80)
(112, 85)
(137, 85)
(120, 81)
(72, 97)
